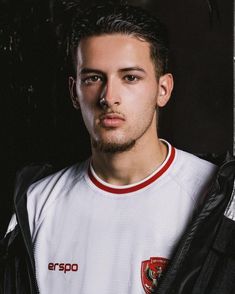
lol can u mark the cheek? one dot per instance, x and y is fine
(87, 112)
(87, 97)
(89, 94)
(143, 99)
(88, 120)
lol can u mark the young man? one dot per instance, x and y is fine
(111, 223)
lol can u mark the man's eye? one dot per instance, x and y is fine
(131, 78)
(91, 80)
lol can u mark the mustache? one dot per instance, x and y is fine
(111, 113)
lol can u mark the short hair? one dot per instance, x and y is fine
(124, 19)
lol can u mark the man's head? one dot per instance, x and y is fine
(123, 19)
(120, 61)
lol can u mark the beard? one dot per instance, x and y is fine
(109, 147)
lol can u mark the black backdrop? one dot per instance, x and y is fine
(38, 123)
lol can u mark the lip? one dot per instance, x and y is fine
(111, 120)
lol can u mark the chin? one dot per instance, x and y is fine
(112, 147)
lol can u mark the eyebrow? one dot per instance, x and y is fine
(90, 70)
(126, 69)
(133, 68)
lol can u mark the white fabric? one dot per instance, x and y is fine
(104, 237)
(12, 224)
(230, 210)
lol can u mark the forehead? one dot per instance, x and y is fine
(114, 50)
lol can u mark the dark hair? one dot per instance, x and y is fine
(124, 19)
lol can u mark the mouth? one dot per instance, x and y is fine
(111, 120)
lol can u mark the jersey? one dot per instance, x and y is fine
(91, 237)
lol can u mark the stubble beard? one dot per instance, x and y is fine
(112, 148)
(115, 147)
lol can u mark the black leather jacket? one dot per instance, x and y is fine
(203, 263)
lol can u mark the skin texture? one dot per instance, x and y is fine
(119, 69)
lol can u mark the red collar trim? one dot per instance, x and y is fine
(136, 187)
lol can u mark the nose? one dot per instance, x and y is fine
(110, 95)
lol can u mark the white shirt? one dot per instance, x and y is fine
(92, 237)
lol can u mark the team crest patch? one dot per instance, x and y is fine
(151, 271)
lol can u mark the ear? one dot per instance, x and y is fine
(73, 92)
(165, 87)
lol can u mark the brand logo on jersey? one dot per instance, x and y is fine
(151, 271)
(63, 267)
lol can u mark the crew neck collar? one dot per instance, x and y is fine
(115, 189)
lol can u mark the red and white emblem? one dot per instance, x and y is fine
(151, 271)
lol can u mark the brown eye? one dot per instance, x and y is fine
(131, 78)
(91, 79)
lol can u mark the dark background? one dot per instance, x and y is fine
(38, 123)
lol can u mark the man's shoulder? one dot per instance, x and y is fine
(46, 193)
(60, 179)
(192, 165)
(193, 174)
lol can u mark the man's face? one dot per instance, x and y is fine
(119, 69)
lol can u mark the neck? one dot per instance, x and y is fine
(130, 166)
